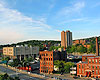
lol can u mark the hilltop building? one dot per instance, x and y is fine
(21, 52)
(66, 39)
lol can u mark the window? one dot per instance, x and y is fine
(92, 60)
(82, 66)
(96, 60)
(93, 72)
(51, 54)
(4, 49)
(89, 60)
(10, 52)
(10, 49)
(46, 54)
(82, 70)
(47, 71)
(79, 66)
(96, 67)
(92, 67)
(89, 66)
(99, 61)
(79, 71)
(96, 71)
(51, 59)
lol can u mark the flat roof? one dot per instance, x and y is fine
(81, 62)
(88, 55)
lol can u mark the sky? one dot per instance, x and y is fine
(22, 20)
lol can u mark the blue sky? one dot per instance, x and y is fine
(44, 19)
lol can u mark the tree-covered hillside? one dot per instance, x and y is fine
(40, 43)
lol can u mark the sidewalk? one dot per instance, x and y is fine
(23, 72)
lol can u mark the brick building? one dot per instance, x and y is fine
(47, 59)
(90, 64)
(80, 41)
(86, 56)
(91, 68)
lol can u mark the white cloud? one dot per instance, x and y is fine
(19, 23)
(74, 20)
(73, 9)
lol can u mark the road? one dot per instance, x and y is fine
(20, 75)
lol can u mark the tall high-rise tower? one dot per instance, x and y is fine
(66, 39)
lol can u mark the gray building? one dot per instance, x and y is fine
(26, 52)
(21, 52)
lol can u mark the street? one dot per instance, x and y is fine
(14, 73)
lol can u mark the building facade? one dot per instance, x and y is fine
(90, 64)
(66, 39)
(21, 52)
(47, 59)
(91, 68)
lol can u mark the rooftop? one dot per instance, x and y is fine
(81, 62)
(89, 55)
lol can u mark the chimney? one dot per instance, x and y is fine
(97, 47)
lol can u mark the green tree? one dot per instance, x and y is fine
(92, 49)
(67, 66)
(7, 77)
(63, 66)
(81, 49)
(7, 58)
(15, 62)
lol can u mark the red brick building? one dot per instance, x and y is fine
(86, 56)
(81, 41)
(91, 68)
(47, 60)
(90, 64)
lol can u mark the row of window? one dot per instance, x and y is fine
(46, 67)
(96, 71)
(93, 61)
(47, 59)
(46, 54)
(6, 49)
(82, 66)
(8, 53)
(46, 71)
(46, 63)
(93, 67)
